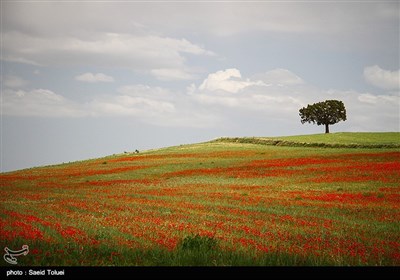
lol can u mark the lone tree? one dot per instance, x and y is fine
(326, 112)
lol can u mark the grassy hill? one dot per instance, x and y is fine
(348, 138)
(333, 140)
(231, 201)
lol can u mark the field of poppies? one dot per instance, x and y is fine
(217, 203)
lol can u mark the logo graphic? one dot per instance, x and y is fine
(10, 255)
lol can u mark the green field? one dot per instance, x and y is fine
(236, 201)
(347, 138)
(332, 140)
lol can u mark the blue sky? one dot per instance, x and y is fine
(89, 79)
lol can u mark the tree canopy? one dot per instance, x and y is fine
(324, 113)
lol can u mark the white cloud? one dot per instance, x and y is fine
(370, 112)
(279, 77)
(375, 99)
(19, 59)
(154, 105)
(367, 98)
(382, 78)
(272, 93)
(217, 18)
(94, 78)
(228, 80)
(140, 101)
(12, 81)
(135, 100)
(245, 103)
(130, 106)
(39, 102)
(171, 74)
(282, 93)
(145, 91)
(121, 50)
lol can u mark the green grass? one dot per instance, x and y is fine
(348, 138)
(330, 140)
(106, 255)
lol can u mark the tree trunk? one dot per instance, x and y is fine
(326, 128)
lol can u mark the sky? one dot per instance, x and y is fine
(86, 79)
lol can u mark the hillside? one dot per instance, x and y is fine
(224, 202)
(331, 140)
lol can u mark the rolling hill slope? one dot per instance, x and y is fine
(224, 202)
(331, 140)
